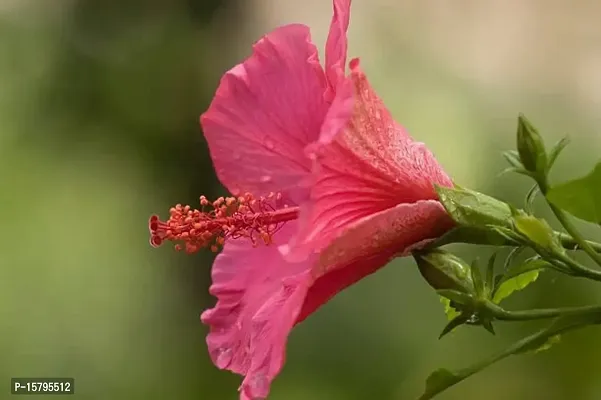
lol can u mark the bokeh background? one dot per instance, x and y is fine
(99, 106)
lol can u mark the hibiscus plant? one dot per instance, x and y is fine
(326, 188)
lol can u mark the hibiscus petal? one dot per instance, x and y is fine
(259, 298)
(338, 116)
(337, 42)
(369, 244)
(270, 328)
(369, 166)
(394, 231)
(265, 111)
(327, 286)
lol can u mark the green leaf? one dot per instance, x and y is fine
(470, 208)
(450, 311)
(580, 197)
(438, 381)
(556, 150)
(518, 282)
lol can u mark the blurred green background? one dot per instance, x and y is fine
(99, 106)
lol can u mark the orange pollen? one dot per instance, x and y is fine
(228, 218)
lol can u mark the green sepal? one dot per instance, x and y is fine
(530, 197)
(454, 323)
(487, 324)
(556, 150)
(513, 158)
(472, 235)
(508, 234)
(477, 279)
(464, 299)
(490, 274)
(471, 208)
(537, 231)
(520, 171)
(513, 254)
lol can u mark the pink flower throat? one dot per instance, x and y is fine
(229, 218)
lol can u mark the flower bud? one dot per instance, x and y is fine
(531, 147)
(443, 270)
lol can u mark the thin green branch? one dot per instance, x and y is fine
(532, 342)
(569, 243)
(578, 268)
(563, 218)
(530, 315)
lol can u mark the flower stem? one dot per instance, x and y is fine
(530, 315)
(579, 269)
(563, 263)
(533, 342)
(569, 243)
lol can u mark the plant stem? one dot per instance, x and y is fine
(530, 315)
(569, 243)
(565, 264)
(534, 341)
(575, 266)
(563, 218)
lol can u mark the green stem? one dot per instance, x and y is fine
(530, 315)
(563, 263)
(575, 266)
(569, 243)
(563, 218)
(532, 342)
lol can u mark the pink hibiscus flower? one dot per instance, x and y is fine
(327, 189)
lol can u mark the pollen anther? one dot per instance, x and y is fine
(229, 218)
